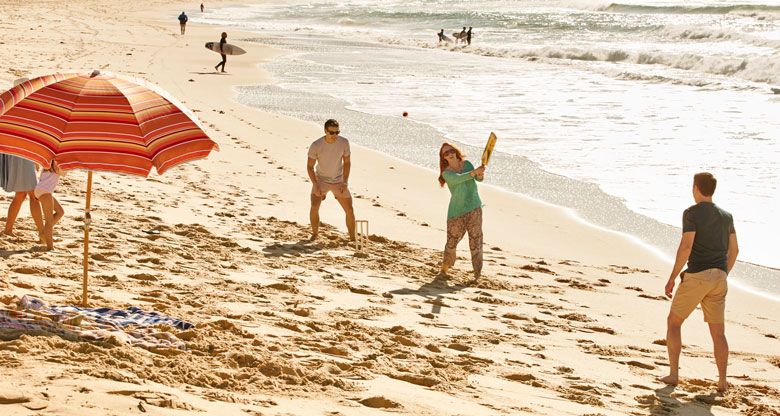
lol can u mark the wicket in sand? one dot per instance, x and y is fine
(361, 235)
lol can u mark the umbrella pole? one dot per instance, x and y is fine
(87, 221)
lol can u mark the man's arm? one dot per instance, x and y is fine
(313, 176)
(310, 170)
(347, 167)
(683, 252)
(733, 251)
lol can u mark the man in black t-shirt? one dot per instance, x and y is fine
(709, 246)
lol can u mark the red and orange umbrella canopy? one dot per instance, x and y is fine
(99, 121)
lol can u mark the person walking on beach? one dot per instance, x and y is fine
(464, 213)
(468, 36)
(709, 246)
(18, 175)
(441, 35)
(52, 210)
(183, 21)
(222, 43)
(332, 157)
(201, 7)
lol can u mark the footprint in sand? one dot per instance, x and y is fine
(380, 402)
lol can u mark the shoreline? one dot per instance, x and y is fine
(568, 320)
(379, 98)
(662, 241)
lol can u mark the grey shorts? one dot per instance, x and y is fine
(335, 188)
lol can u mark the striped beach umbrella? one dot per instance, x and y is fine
(99, 121)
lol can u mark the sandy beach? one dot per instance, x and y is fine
(568, 319)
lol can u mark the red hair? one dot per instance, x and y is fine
(443, 164)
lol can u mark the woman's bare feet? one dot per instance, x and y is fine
(9, 233)
(672, 380)
(723, 386)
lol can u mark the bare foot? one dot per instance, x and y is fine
(313, 237)
(9, 233)
(668, 380)
(723, 387)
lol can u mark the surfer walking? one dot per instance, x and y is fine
(464, 213)
(183, 21)
(461, 36)
(441, 35)
(468, 36)
(222, 43)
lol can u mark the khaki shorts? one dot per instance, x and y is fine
(707, 288)
(335, 188)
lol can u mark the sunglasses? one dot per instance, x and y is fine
(333, 132)
(447, 153)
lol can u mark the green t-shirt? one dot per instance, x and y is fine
(463, 190)
(713, 226)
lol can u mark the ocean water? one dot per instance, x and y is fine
(607, 108)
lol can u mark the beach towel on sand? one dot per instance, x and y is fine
(80, 324)
(129, 316)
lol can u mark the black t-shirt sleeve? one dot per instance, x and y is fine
(688, 221)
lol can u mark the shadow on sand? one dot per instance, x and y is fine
(433, 290)
(8, 253)
(666, 404)
(297, 248)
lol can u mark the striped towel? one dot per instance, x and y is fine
(129, 316)
(94, 324)
(37, 321)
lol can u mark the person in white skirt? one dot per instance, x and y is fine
(18, 175)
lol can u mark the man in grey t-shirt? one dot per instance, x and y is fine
(331, 155)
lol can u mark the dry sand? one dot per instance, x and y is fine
(568, 320)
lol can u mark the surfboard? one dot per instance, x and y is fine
(227, 48)
(491, 143)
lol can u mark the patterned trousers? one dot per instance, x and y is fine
(457, 227)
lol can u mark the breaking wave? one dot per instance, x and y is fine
(736, 8)
(764, 69)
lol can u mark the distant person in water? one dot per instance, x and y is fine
(461, 36)
(468, 36)
(331, 155)
(183, 21)
(201, 7)
(464, 213)
(441, 35)
(222, 43)
(709, 246)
